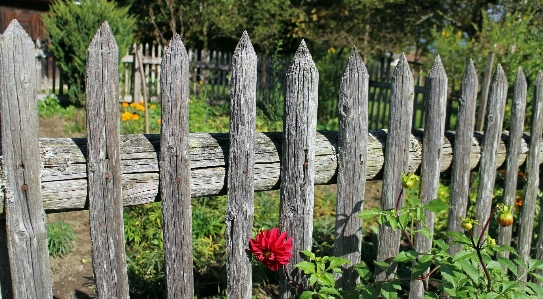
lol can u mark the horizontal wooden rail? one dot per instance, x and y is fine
(64, 175)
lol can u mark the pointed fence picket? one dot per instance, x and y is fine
(114, 170)
(352, 144)
(461, 164)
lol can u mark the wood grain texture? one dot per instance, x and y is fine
(527, 211)
(514, 148)
(461, 163)
(64, 176)
(25, 218)
(298, 169)
(352, 162)
(104, 167)
(434, 128)
(241, 171)
(396, 162)
(493, 129)
(175, 171)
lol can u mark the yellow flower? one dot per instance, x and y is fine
(135, 116)
(124, 104)
(459, 34)
(332, 50)
(140, 107)
(126, 116)
(153, 106)
(159, 121)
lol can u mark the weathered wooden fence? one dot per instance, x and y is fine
(106, 171)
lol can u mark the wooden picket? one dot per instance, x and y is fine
(114, 170)
(25, 218)
(514, 148)
(298, 156)
(175, 172)
(352, 154)
(524, 243)
(241, 171)
(396, 162)
(104, 167)
(461, 164)
(434, 106)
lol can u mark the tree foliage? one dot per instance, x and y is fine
(70, 29)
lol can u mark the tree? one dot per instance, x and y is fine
(71, 28)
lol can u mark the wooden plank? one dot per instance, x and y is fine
(493, 130)
(479, 124)
(241, 160)
(461, 164)
(64, 176)
(514, 147)
(298, 174)
(434, 110)
(175, 171)
(527, 211)
(104, 166)
(25, 219)
(397, 161)
(352, 162)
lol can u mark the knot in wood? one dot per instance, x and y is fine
(177, 180)
(24, 187)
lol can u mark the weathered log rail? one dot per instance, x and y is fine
(64, 175)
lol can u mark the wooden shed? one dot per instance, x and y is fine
(27, 12)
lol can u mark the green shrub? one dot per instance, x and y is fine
(70, 29)
(60, 236)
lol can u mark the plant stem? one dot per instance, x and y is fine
(479, 247)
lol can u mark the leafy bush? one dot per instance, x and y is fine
(60, 236)
(70, 29)
(74, 118)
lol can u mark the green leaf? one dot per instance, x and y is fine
(537, 289)
(308, 255)
(404, 219)
(307, 295)
(430, 295)
(449, 275)
(462, 255)
(492, 265)
(313, 279)
(520, 263)
(382, 265)
(426, 233)
(330, 291)
(491, 295)
(510, 265)
(436, 206)
(335, 262)
(405, 256)
(470, 270)
(449, 289)
(327, 279)
(388, 291)
(391, 221)
(369, 293)
(421, 266)
(369, 213)
(363, 271)
(307, 267)
(441, 244)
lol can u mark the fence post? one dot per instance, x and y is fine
(479, 125)
(396, 162)
(104, 167)
(491, 141)
(298, 160)
(240, 205)
(514, 145)
(460, 174)
(527, 212)
(25, 219)
(352, 162)
(175, 171)
(435, 102)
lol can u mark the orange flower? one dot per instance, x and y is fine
(124, 104)
(518, 203)
(135, 116)
(126, 116)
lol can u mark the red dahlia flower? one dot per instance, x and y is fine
(271, 248)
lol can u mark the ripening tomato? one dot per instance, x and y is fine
(505, 218)
(467, 225)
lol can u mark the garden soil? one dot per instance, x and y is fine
(72, 274)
